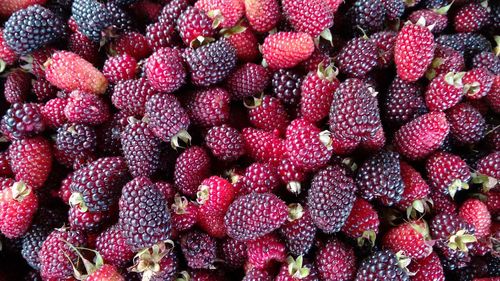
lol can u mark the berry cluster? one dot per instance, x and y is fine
(254, 140)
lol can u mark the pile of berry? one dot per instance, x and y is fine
(255, 140)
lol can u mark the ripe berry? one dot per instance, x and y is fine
(165, 70)
(312, 17)
(199, 249)
(447, 173)
(357, 57)
(191, 167)
(31, 160)
(286, 86)
(76, 142)
(299, 230)
(209, 107)
(86, 108)
(18, 204)
(287, 49)
(404, 101)
(225, 143)
(120, 68)
(112, 245)
(330, 207)
(383, 264)
(336, 261)
(248, 80)
(23, 120)
(467, 125)
(195, 27)
(262, 15)
(130, 96)
(267, 113)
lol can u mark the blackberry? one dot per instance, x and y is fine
(475, 43)
(96, 185)
(494, 266)
(299, 231)
(357, 57)
(225, 143)
(112, 245)
(140, 148)
(32, 243)
(211, 64)
(434, 4)
(62, 8)
(17, 86)
(368, 15)
(32, 28)
(55, 265)
(233, 252)
(121, 20)
(467, 125)
(76, 141)
(92, 18)
(124, 2)
(191, 168)
(381, 265)
(329, 206)
(160, 35)
(254, 215)
(43, 90)
(336, 261)
(487, 60)
(256, 274)
(394, 9)
(130, 96)
(195, 27)
(144, 214)
(90, 222)
(380, 178)
(248, 80)
(209, 107)
(168, 120)
(23, 120)
(172, 11)
(286, 84)
(199, 249)
(404, 102)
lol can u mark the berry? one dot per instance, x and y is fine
(291, 175)
(209, 107)
(56, 255)
(92, 18)
(444, 91)
(413, 52)
(43, 90)
(53, 112)
(32, 242)
(415, 190)
(31, 160)
(311, 17)
(477, 83)
(95, 187)
(411, 238)
(85, 108)
(18, 204)
(286, 86)
(380, 178)
(225, 143)
(476, 213)
(357, 57)
(260, 178)
(212, 63)
(336, 261)
(353, 101)
(447, 173)
(317, 92)
(421, 136)
(132, 43)
(445, 60)
(184, 214)
(267, 113)
(487, 60)
(234, 252)
(141, 148)
(105, 272)
(263, 251)
(308, 148)
(404, 101)
(144, 215)
(245, 43)
(82, 46)
(194, 27)
(362, 222)
(70, 72)
(330, 207)
(299, 230)
(287, 49)
(256, 274)
(381, 265)
(263, 146)
(471, 17)
(191, 167)
(394, 9)
(385, 42)
(130, 96)
(225, 13)
(467, 125)
(112, 245)
(433, 17)
(214, 196)
(254, 215)
(23, 120)
(248, 80)
(172, 11)
(17, 86)
(32, 28)
(367, 14)
(76, 142)
(199, 249)
(168, 120)
(165, 70)
(428, 268)
(120, 68)
(262, 15)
